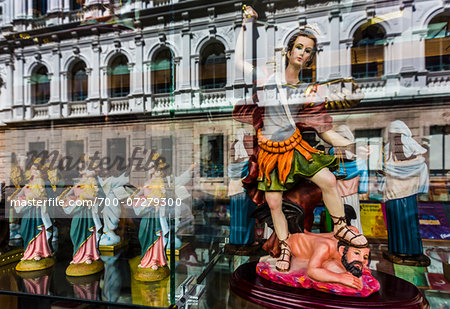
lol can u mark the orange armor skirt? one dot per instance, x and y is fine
(281, 164)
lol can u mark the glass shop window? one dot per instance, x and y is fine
(119, 77)
(437, 51)
(372, 139)
(79, 82)
(163, 146)
(40, 86)
(35, 150)
(36, 147)
(439, 150)
(163, 72)
(212, 152)
(213, 66)
(74, 154)
(368, 51)
(117, 154)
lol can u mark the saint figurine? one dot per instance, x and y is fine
(280, 111)
(406, 176)
(82, 203)
(148, 202)
(30, 203)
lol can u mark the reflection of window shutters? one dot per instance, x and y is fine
(437, 44)
(117, 153)
(40, 86)
(163, 146)
(163, 72)
(212, 155)
(367, 52)
(75, 149)
(119, 77)
(79, 82)
(439, 149)
(213, 66)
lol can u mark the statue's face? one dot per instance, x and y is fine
(301, 51)
(355, 259)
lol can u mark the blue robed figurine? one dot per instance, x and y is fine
(406, 176)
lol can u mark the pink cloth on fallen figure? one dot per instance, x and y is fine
(299, 279)
(155, 255)
(88, 251)
(37, 247)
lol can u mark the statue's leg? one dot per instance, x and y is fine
(275, 201)
(327, 183)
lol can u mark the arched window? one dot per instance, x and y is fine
(119, 77)
(78, 82)
(437, 44)
(368, 51)
(213, 66)
(163, 72)
(40, 86)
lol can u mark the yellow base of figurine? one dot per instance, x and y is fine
(33, 265)
(35, 274)
(84, 269)
(149, 274)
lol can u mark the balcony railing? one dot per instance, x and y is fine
(39, 112)
(77, 109)
(372, 87)
(76, 16)
(156, 3)
(213, 98)
(38, 23)
(439, 81)
(118, 106)
(163, 102)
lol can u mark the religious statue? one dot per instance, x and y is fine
(323, 263)
(406, 175)
(30, 203)
(82, 203)
(280, 111)
(148, 202)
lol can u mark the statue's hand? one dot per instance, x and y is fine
(351, 281)
(249, 12)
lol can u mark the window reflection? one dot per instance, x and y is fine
(40, 86)
(437, 44)
(368, 51)
(213, 66)
(78, 82)
(163, 72)
(119, 77)
(211, 164)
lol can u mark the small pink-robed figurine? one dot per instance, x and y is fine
(80, 202)
(32, 227)
(153, 265)
(323, 263)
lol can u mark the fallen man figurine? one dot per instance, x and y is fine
(323, 263)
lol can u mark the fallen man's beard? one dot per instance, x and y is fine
(355, 271)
